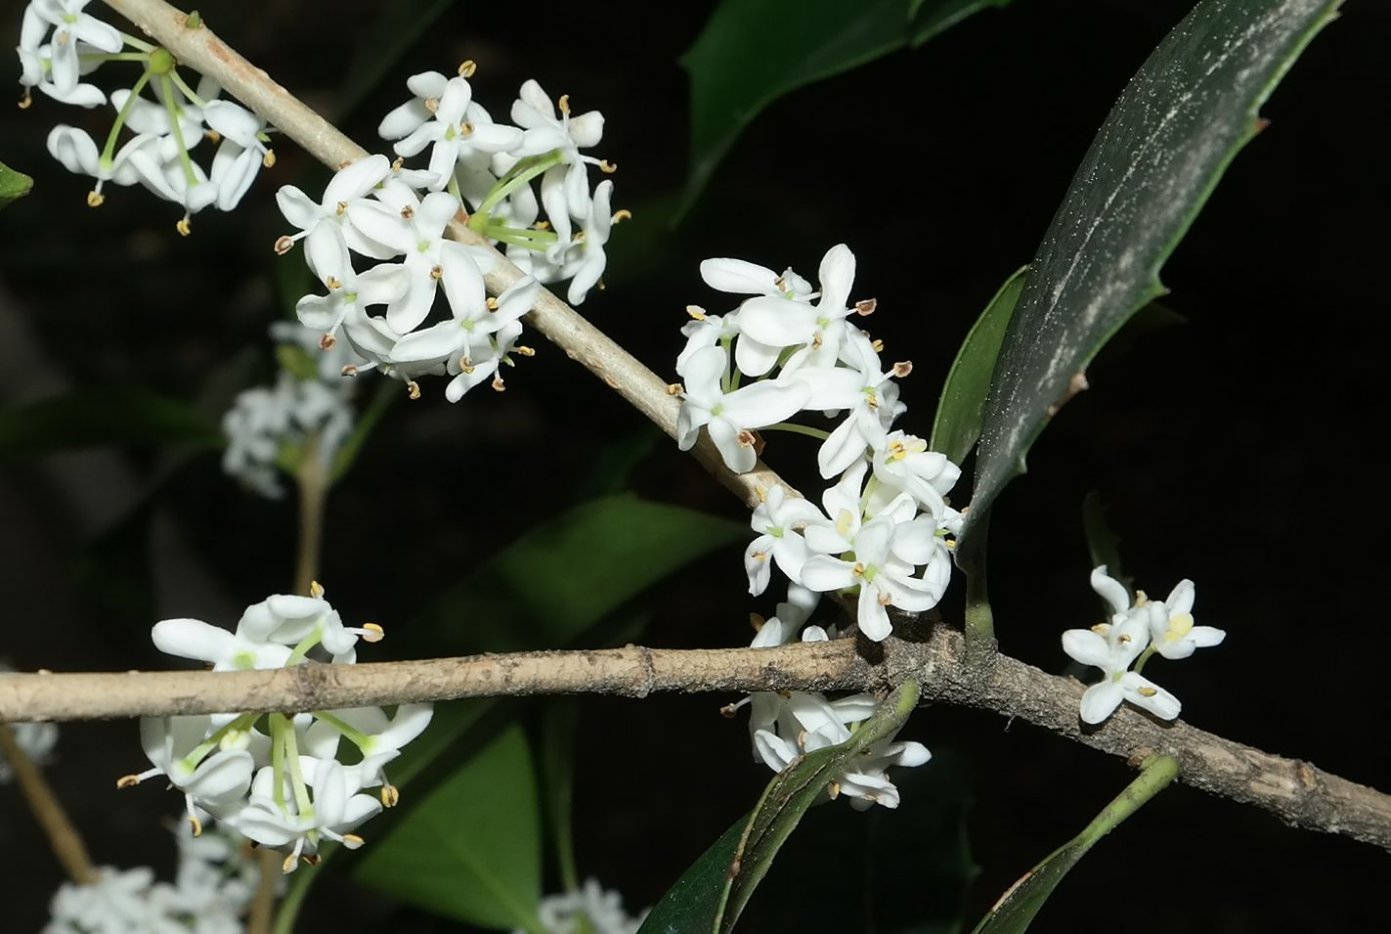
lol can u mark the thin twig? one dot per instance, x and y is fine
(48, 811)
(1295, 791)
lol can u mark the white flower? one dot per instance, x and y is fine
(590, 909)
(744, 278)
(905, 464)
(241, 154)
(328, 217)
(564, 187)
(872, 406)
(56, 58)
(275, 819)
(731, 417)
(454, 126)
(1171, 625)
(585, 258)
(779, 519)
(118, 902)
(865, 780)
(1112, 647)
(818, 329)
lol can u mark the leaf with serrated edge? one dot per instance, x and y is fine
(1161, 151)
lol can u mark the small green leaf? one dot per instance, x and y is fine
(957, 425)
(711, 894)
(751, 52)
(109, 416)
(694, 903)
(1015, 910)
(13, 185)
(471, 850)
(1163, 148)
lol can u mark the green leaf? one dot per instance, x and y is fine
(1103, 545)
(107, 416)
(1015, 910)
(472, 849)
(711, 894)
(13, 185)
(1161, 151)
(751, 52)
(564, 577)
(694, 903)
(957, 425)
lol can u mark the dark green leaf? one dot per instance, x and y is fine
(1158, 156)
(751, 52)
(561, 578)
(13, 185)
(694, 903)
(1015, 910)
(472, 849)
(558, 720)
(1103, 546)
(390, 35)
(957, 425)
(108, 416)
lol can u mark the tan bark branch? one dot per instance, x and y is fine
(48, 810)
(1296, 792)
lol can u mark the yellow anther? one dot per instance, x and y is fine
(407, 212)
(1180, 625)
(333, 282)
(498, 385)
(833, 789)
(757, 621)
(1141, 598)
(607, 167)
(878, 345)
(467, 67)
(316, 590)
(26, 101)
(341, 208)
(728, 711)
(1101, 629)
(432, 104)
(326, 342)
(843, 522)
(397, 165)
(746, 437)
(675, 389)
(1148, 692)
(212, 136)
(760, 556)
(284, 244)
(437, 271)
(95, 199)
(525, 351)
(268, 160)
(622, 214)
(348, 370)
(1124, 638)
(413, 390)
(127, 781)
(564, 104)
(817, 341)
(184, 227)
(858, 570)
(491, 303)
(288, 864)
(196, 825)
(541, 225)
(466, 365)
(466, 129)
(903, 368)
(352, 841)
(390, 796)
(373, 632)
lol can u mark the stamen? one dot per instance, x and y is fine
(127, 781)
(390, 796)
(866, 307)
(607, 167)
(326, 342)
(95, 199)
(352, 841)
(413, 390)
(437, 272)
(491, 303)
(316, 590)
(348, 370)
(372, 632)
(564, 104)
(432, 104)
(284, 244)
(184, 227)
(407, 212)
(342, 208)
(268, 160)
(675, 389)
(1148, 692)
(26, 101)
(467, 67)
(622, 214)
(525, 351)
(903, 368)
(333, 283)
(498, 385)
(878, 345)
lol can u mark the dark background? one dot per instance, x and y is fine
(1235, 449)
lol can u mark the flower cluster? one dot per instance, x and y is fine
(1134, 633)
(212, 889)
(591, 909)
(60, 43)
(278, 779)
(785, 726)
(267, 428)
(885, 525)
(395, 218)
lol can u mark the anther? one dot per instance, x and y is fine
(268, 160)
(622, 214)
(400, 161)
(878, 345)
(326, 342)
(316, 590)
(491, 303)
(127, 781)
(26, 101)
(348, 370)
(333, 282)
(407, 212)
(436, 271)
(390, 796)
(607, 167)
(284, 244)
(903, 368)
(564, 104)
(728, 711)
(95, 199)
(1148, 692)
(866, 307)
(373, 632)
(467, 67)
(525, 351)
(432, 104)
(212, 136)
(675, 389)
(341, 209)
(352, 841)
(498, 385)
(466, 129)
(413, 390)
(184, 227)
(196, 825)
